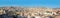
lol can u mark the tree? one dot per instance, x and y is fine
(11, 13)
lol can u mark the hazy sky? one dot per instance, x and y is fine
(32, 3)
